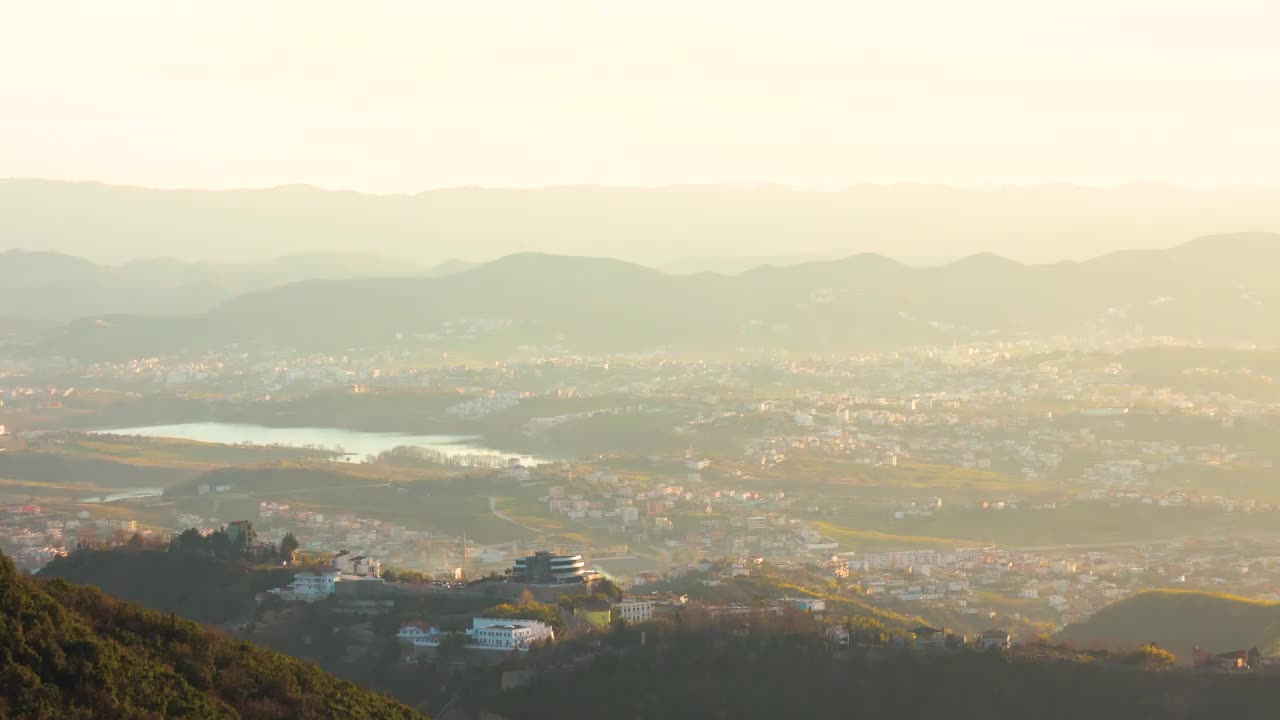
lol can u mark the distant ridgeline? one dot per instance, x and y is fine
(1217, 289)
(71, 652)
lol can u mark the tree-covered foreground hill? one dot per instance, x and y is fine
(196, 586)
(1181, 620)
(71, 652)
(763, 673)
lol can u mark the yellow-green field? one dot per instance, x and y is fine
(854, 539)
(172, 452)
(836, 473)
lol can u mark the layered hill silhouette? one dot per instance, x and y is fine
(921, 223)
(1180, 621)
(49, 286)
(1216, 289)
(71, 652)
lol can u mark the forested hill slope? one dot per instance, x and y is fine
(195, 586)
(1181, 620)
(754, 675)
(72, 652)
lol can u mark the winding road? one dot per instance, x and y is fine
(493, 508)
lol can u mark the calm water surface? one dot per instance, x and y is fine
(356, 443)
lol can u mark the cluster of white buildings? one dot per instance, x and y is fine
(33, 535)
(507, 634)
(308, 586)
(486, 404)
(484, 634)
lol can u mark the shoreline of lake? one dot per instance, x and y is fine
(352, 445)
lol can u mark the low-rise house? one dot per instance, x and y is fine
(419, 634)
(993, 639)
(596, 612)
(506, 634)
(645, 578)
(808, 604)
(1235, 660)
(929, 638)
(742, 610)
(309, 586)
(634, 611)
(359, 565)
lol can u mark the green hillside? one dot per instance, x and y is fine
(757, 673)
(1180, 620)
(72, 652)
(197, 587)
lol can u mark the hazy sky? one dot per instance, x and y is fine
(403, 96)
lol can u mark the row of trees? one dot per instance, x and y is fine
(225, 545)
(404, 575)
(432, 457)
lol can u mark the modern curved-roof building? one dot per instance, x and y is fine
(544, 568)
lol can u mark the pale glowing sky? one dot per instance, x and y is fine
(405, 96)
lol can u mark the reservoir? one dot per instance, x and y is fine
(355, 444)
(126, 495)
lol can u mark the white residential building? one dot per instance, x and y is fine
(419, 634)
(309, 586)
(507, 634)
(635, 611)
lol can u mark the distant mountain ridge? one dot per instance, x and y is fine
(1219, 289)
(51, 286)
(918, 223)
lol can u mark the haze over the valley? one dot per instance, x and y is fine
(683, 228)
(945, 129)
(660, 360)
